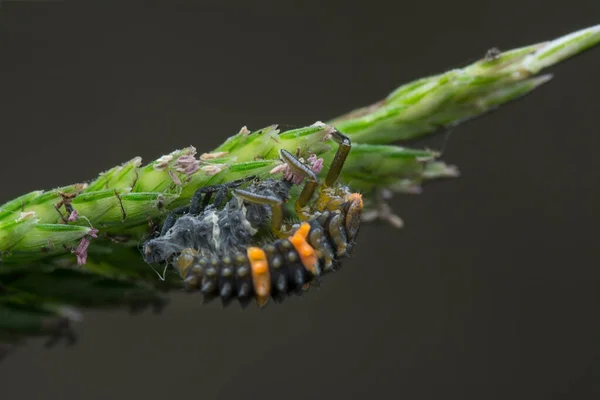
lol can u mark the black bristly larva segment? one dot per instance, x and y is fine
(229, 277)
(319, 240)
(225, 271)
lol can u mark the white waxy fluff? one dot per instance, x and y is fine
(216, 229)
(251, 230)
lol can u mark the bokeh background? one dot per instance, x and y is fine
(491, 291)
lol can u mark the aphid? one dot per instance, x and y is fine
(252, 246)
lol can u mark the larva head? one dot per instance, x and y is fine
(354, 207)
(156, 250)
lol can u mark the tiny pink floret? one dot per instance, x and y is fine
(74, 216)
(81, 251)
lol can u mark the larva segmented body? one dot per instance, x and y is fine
(276, 269)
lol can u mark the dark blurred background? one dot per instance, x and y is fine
(491, 291)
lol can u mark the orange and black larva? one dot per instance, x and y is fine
(228, 248)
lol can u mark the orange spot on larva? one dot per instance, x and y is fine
(306, 251)
(255, 253)
(307, 254)
(261, 278)
(303, 230)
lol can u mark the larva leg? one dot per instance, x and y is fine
(275, 203)
(344, 146)
(298, 168)
(172, 217)
(221, 190)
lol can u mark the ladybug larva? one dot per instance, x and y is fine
(250, 245)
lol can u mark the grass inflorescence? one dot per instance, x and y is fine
(77, 246)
